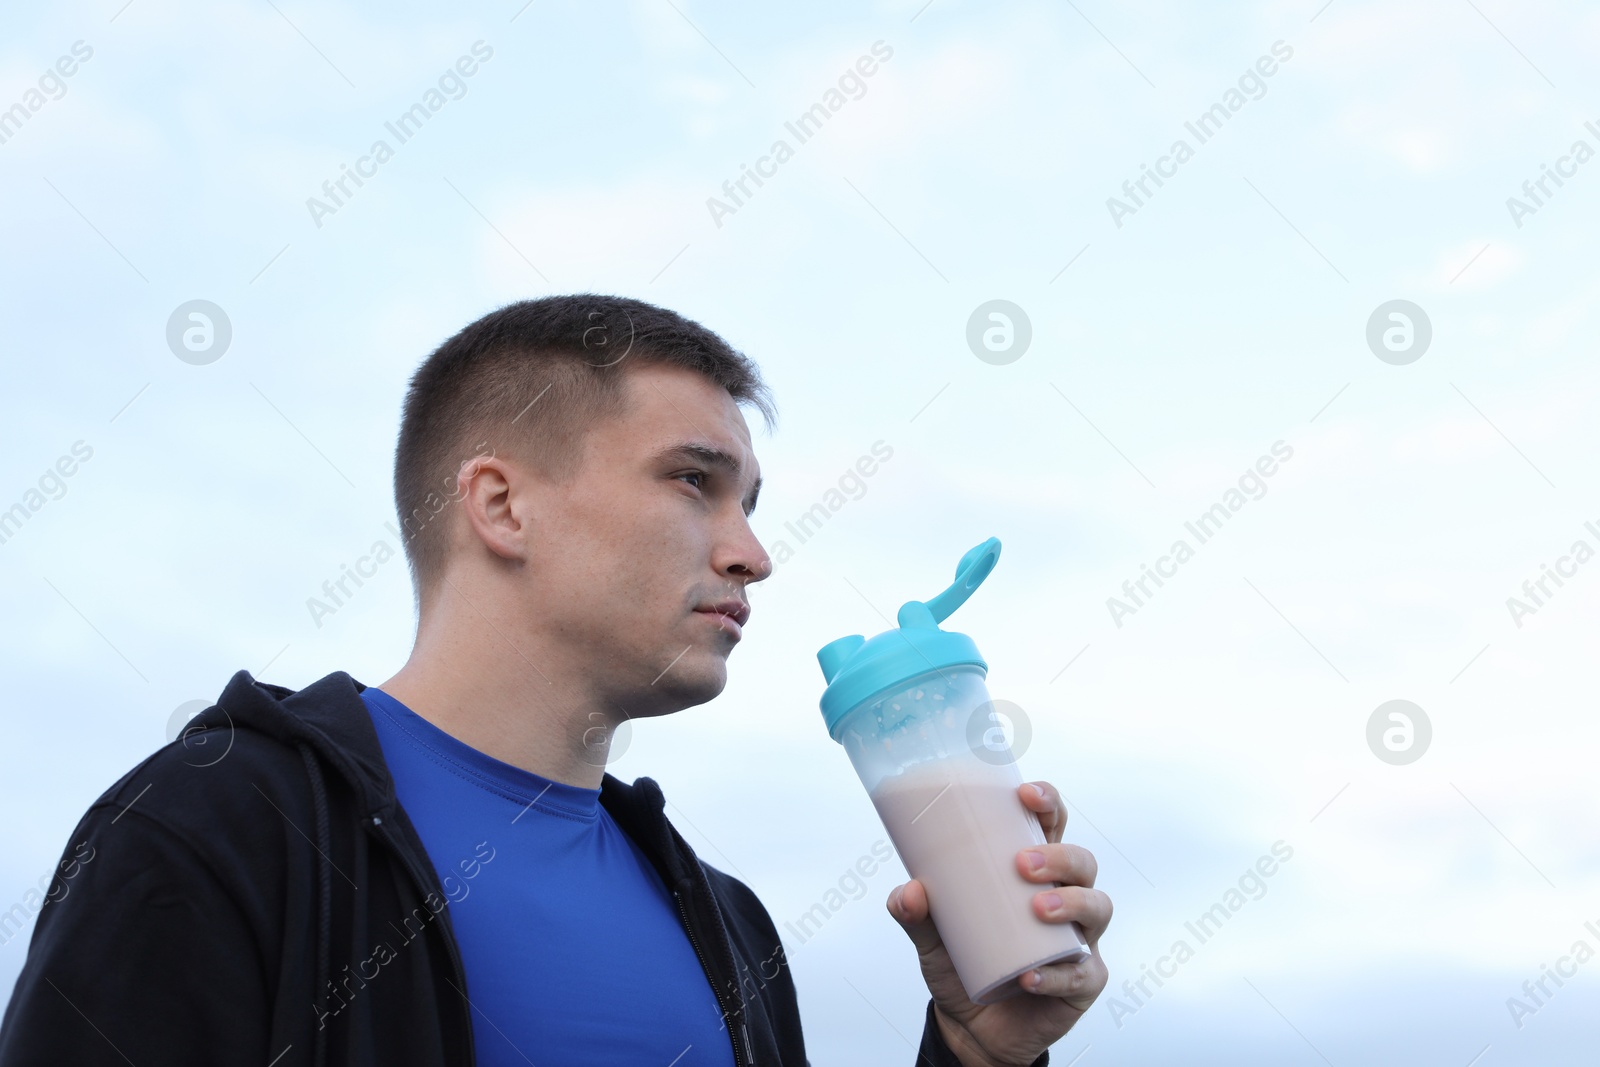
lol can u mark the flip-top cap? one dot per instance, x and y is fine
(858, 669)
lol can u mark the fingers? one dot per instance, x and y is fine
(1042, 798)
(1071, 864)
(908, 904)
(1079, 983)
(1089, 908)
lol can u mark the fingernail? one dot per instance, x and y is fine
(1035, 979)
(1052, 901)
(1035, 859)
(1040, 790)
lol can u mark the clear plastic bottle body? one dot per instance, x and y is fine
(924, 719)
(934, 760)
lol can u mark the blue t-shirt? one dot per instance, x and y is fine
(573, 949)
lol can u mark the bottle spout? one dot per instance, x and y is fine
(970, 573)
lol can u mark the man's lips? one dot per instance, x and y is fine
(730, 615)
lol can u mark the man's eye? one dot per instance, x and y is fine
(694, 474)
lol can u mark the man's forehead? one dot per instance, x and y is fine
(681, 409)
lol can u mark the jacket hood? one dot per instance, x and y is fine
(323, 716)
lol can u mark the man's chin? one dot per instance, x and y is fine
(687, 684)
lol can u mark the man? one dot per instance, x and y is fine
(439, 870)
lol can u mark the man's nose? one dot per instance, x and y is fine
(747, 560)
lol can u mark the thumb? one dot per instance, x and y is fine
(908, 904)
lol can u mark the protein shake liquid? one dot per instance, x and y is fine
(912, 711)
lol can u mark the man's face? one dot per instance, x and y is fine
(625, 557)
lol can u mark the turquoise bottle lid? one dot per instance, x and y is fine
(857, 669)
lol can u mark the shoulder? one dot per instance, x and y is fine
(187, 838)
(214, 789)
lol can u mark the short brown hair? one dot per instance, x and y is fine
(530, 380)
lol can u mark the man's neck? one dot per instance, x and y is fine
(518, 704)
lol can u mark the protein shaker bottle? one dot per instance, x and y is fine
(911, 708)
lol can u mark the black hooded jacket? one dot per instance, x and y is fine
(253, 893)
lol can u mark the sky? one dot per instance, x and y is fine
(1357, 274)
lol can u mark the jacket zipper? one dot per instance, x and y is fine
(454, 952)
(738, 1060)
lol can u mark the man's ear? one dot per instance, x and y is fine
(489, 487)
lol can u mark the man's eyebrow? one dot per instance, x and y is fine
(711, 456)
